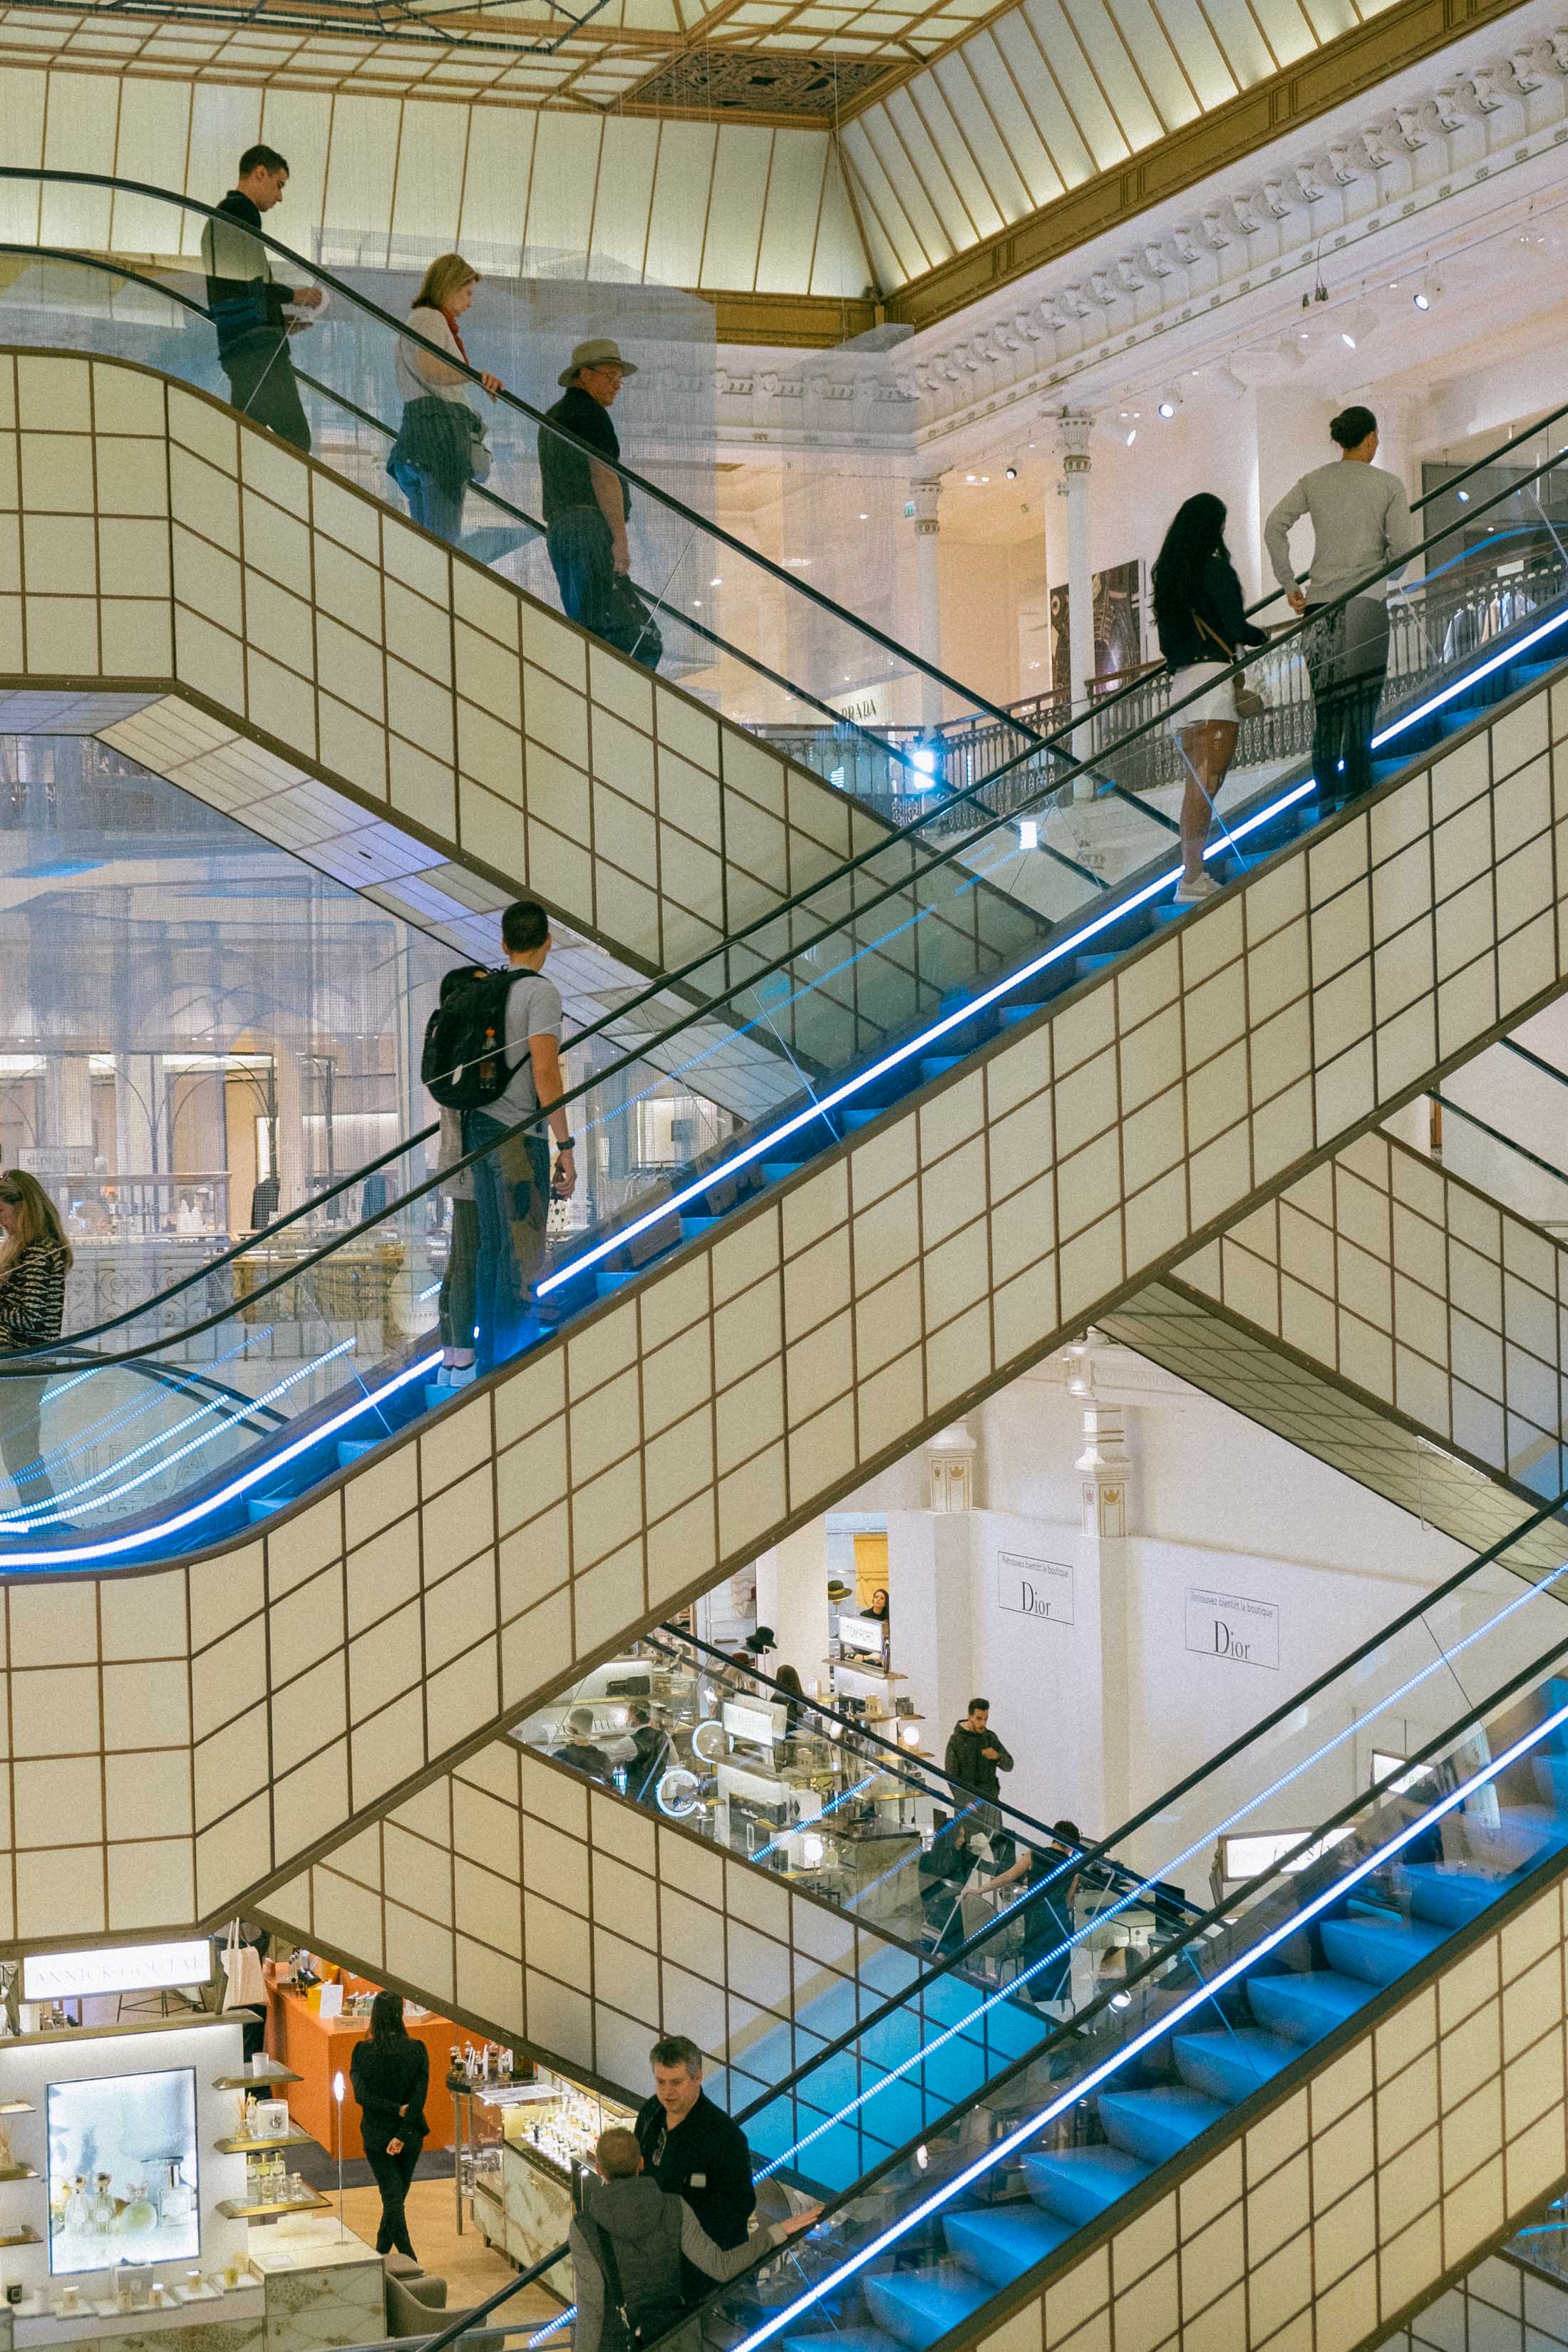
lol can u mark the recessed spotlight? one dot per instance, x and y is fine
(1347, 339)
(969, 478)
(1422, 302)
(1167, 409)
(1012, 473)
(717, 582)
(1132, 437)
(865, 518)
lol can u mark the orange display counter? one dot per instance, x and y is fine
(316, 2048)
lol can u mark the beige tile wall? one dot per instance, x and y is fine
(536, 1908)
(1395, 1322)
(446, 1585)
(394, 713)
(1348, 2199)
(1502, 2305)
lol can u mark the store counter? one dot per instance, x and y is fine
(524, 2189)
(317, 2048)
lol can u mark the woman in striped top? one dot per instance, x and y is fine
(35, 1256)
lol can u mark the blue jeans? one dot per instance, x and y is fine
(581, 554)
(439, 511)
(512, 1194)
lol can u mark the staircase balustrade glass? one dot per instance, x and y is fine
(816, 1020)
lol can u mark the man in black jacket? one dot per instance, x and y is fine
(975, 1757)
(693, 2149)
(247, 306)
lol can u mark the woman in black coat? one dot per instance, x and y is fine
(391, 2073)
(1203, 627)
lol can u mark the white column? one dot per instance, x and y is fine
(791, 1597)
(928, 588)
(1073, 430)
(1103, 1469)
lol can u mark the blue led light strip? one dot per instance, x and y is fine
(1162, 2026)
(244, 1485)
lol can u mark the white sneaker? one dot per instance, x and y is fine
(460, 1375)
(1202, 886)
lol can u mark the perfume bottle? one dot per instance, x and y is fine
(77, 2203)
(174, 2198)
(141, 2215)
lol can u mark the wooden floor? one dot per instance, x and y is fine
(469, 2266)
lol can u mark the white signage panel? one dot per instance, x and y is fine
(1035, 1587)
(1228, 1625)
(127, 1968)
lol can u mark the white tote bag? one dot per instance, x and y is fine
(242, 1967)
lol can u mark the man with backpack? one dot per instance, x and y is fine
(628, 2246)
(492, 1051)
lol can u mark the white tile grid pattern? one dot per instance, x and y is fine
(475, 742)
(534, 1908)
(1413, 1286)
(1502, 2305)
(1427, 2138)
(446, 1585)
(1302, 1399)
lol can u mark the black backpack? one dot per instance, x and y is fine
(464, 1063)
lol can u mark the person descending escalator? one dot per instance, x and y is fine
(246, 305)
(35, 1258)
(440, 446)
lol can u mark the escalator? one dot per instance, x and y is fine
(1326, 2089)
(428, 730)
(976, 1161)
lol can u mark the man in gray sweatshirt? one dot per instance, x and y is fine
(636, 2233)
(1361, 521)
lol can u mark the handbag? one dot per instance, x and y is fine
(630, 625)
(242, 1968)
(480, 456)
(1249, 703)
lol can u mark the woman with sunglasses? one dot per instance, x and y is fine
(35, 1257)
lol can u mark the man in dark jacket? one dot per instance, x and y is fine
(694, 2151)
(655, 2240)
(247, 306)
(580, 1750)
(976, 1757)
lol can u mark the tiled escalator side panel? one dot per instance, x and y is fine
(1499, 2307)
(1353, 2195)
(1415, 1288)
(544, 1911)
(150, 535)
(451, 1582)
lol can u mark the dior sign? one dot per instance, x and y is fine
(1227, 1626)
(1035, 1587)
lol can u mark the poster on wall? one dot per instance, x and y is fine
(1118, 625)
(1035, 1587)
(1228, 1625)
(122, 2171)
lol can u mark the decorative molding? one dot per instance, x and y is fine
(1357, 62)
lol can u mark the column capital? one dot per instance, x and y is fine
(1074, 428)
(924, 494)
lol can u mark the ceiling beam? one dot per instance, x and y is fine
(813, 323)
(1356, 61)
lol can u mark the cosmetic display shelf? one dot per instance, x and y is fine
(17, 2107)
(22, 2237)
(17, 2172)
(245, 2209)
(255, 2082)
(258, 2146)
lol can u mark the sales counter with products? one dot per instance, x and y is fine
(138, 2203)
(535, 2144)
(794, 1784)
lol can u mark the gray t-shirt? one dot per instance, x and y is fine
(533, 1010)
(1361, 520)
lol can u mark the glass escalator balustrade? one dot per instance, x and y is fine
(815, 1021)
(968, 2197)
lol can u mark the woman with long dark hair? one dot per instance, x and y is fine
(391, 2073)
(35, 1258)
(1202, 625)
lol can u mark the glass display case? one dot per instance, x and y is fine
(534, 2140)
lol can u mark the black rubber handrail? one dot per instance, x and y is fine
(34, 1361)
(1457, 1110)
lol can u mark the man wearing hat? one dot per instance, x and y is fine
(587, 503)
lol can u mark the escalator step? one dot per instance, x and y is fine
(936, 1065)
(1305, 2007)
(856, 1117)
(605, 1285)
(354, 1449)
(261, 1506)
(1010, 1016)
(691, 1228)
(1080, 2182)
(916, 2306)
(1449, 1895)
(840, 2339)
(1379, 1949)
(1002, 2241)
(1156, 2125)
(1231, 2065)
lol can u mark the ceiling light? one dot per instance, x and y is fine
(865, 518)
(1347, 339)
(1169, 403)
(969, 478)
(1012, 473)
(1423, 301)
(1132, 437)
(1464, 498)
(716, 582)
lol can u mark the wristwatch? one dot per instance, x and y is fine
(567, 1143)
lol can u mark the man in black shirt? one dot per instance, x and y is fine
(586, 502)
(247, 304)
(693, 2149)
(579, 1748)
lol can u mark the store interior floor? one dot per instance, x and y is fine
(470, 2268)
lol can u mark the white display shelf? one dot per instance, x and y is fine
(36, 2324)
